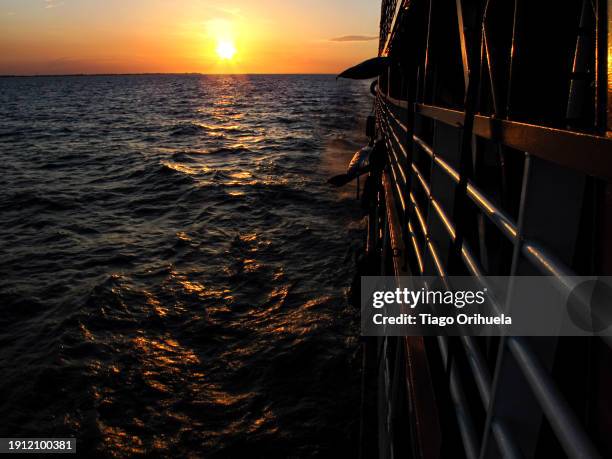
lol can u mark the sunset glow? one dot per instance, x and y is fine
(143, 36)
(226, 49)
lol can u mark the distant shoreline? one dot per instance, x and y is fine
(156, 74)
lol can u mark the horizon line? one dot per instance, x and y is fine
(40, 75)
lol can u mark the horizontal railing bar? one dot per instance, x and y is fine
(402, 148)
(556, 145)
(397, 102)
(399, 164)
(567, 281)
(392, 115)
(497, 216)
(401, 103)
(415, 245)
(420, 218)
(421, 179)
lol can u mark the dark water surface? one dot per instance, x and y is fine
(174, 267)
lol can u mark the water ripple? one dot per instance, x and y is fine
(175, 267)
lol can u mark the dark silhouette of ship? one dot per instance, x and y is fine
(492, 126)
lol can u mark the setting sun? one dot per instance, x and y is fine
(200, 36)
(226, 49)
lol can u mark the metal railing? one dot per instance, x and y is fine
(403, 173)
(469, 93)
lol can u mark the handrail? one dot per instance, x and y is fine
(563, 421)
(560, 146)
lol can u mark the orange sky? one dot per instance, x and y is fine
(120, 36)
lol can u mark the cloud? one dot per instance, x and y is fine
(355, 38)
